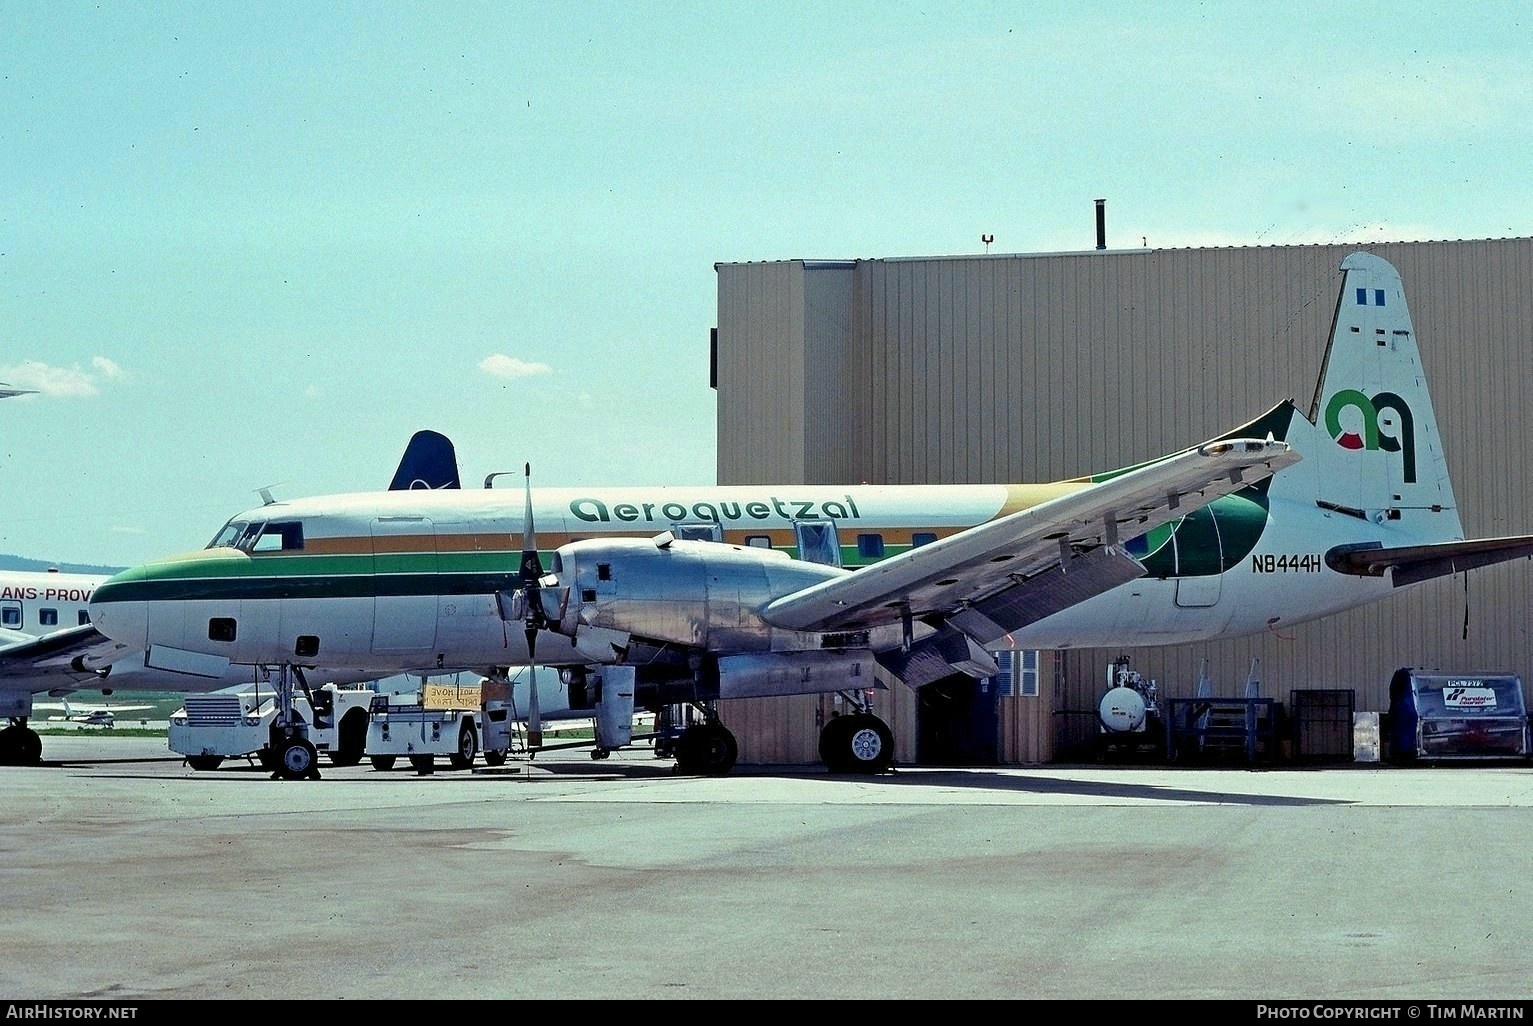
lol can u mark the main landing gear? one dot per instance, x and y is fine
(708, 749)
(19, 744)
(857, 742)
(704, 746)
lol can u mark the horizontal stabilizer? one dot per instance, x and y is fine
(1415, 563)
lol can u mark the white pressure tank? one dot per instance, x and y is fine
(1122, 710)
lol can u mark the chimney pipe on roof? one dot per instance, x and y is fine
(1101, 224)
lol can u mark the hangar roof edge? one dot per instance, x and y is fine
(822, 264)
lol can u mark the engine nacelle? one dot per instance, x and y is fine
(699, 595)
(775, 674)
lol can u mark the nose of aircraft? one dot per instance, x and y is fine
(118, 612)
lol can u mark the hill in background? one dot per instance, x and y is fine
(9, 562)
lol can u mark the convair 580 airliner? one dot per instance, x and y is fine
(665, 596)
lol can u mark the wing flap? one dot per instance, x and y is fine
(989, 620)
(937, 656)
(999, 567)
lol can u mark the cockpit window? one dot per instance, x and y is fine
(228, 534)
(275, 536)
(260, 537)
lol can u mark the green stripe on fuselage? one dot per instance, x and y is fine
(341, 576)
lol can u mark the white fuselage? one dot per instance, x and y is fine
(408, 581)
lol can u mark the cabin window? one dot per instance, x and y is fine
(307, 646)
(699, 532)
(84, 616)
(48, 617)
(758, 541)
(817, 542)
(10, 616)
(919, 538)
(221, 628)
(870, 546)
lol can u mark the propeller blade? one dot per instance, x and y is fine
(533, 617)
(532, 564)
(534, 714)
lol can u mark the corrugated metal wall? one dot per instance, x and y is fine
(1037, 367)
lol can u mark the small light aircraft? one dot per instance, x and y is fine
(90, 715)
(678, 597)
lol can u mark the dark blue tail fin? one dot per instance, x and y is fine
(429, 462)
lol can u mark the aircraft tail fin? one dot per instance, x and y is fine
(430, 461)
(1372, 449)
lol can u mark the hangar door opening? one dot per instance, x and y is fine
(957, 722)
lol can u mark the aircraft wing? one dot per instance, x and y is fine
(1414, 563)
(998, 577)
(71, 655)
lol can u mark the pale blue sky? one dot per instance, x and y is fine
(250, 244)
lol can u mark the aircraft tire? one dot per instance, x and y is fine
(31, 747)
(468, 747)
(382, 763)
(296, 759)
(204, 762)
(20, 746)
(707, 749)
(351, 739)
(267, 757)
(860, 743)
(494, 758)
(834, 745)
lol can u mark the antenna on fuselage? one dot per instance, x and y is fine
(489, 480)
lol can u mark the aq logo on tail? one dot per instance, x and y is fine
(1371, 411)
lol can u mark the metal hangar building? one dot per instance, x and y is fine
(1035, 367)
